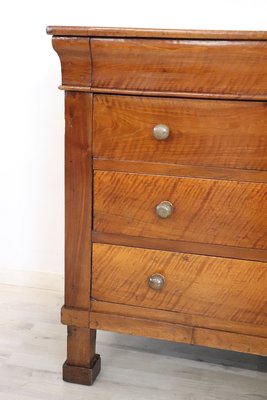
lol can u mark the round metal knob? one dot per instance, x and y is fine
(164, 209)
(156, 281)
(161, 132)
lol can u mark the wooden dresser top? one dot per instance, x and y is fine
(155, 33)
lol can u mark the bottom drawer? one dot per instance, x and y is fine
(222, 288)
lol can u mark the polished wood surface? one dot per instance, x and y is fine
(243, 253)
(69, 316)
(230, 341)
(81, 346)
(210, 88)
(123, 131)
(233, 290)
(78, 203)
(193, 171)
(78, 199)
(205, 210)
(189, 66)
(180, 333)
(142, 327)
(176, 317)
(74, 317)
(162, 94)
(155, 33)
(75, 58)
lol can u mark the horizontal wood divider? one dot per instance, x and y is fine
(178, 318)
(179, 333)
(230, 174)
(230, 341)
(181, 246)
(193, 95)
(190, 95)
(79, 318)
(142, 327)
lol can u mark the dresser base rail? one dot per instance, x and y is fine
(171, 326)
(179, 333)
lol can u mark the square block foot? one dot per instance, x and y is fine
(82, 375)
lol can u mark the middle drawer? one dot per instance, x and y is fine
(202, 210)
(216, 133)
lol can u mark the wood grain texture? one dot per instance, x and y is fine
(200, 321)
(75, 58)
(206, 211)
(146, 328)
(232, 290)
(169, 94)
(78, 199)
(78, 220)
(81, 346)
(191, 171)
(74, 317)
(230, 341)
(228, 134)
(82, 375)
(189, 66)
(212, 168)
(180, 333)
(79, 318)
(155, 33)
(243, 253)
(82, 365)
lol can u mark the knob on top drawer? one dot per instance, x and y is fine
(161, 132)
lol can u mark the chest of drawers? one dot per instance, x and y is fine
(166, 188)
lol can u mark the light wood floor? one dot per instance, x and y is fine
(32, 350)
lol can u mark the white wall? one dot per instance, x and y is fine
(32, 130)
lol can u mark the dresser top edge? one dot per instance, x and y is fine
(82, 31)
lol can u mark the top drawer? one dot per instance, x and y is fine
(226, 68)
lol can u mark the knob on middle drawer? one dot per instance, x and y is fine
(164, 209)
(156, 281)
(161, 132)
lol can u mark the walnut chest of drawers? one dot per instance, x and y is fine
(166, 188)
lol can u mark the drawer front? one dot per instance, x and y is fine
(232, 68)
(220, 288)
(205, 210)
(207, 133)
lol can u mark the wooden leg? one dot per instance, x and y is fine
(82, 365)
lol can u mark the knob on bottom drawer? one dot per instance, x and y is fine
(156, 281)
